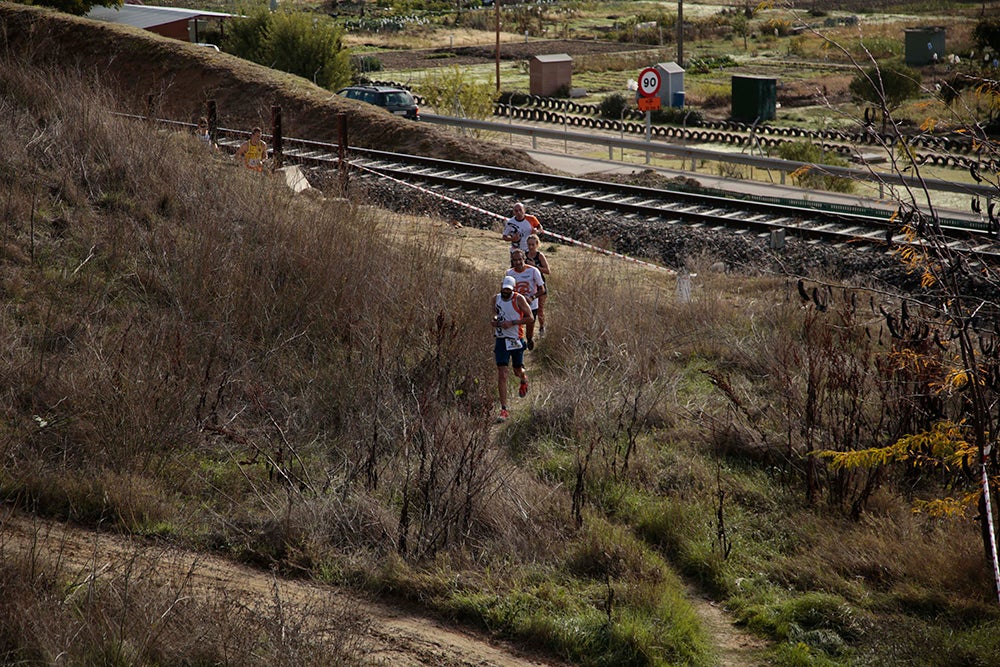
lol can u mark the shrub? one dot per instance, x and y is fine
(294, 42)
(366, 63)
(451, 90)
(804, 151)
(677, 116)
(612, 106)
(891, 83)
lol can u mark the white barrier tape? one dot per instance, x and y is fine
(565, 239)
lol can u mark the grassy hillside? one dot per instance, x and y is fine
(191, 353)
(137, 65)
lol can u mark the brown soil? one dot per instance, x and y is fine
(391, 636)
(178, 78)
(476, 55)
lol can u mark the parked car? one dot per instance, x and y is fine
(396, 100)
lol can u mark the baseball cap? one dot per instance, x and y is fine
(508, 283)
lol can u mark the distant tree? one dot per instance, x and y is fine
(987, 34)
(246, 37)
(301, 43)
(888, 85)
(308, 45)
(77, 7)
(452, 91)
(741, 26)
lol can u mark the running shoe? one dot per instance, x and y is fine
(503, 415)
(531, 344)
(522, 391)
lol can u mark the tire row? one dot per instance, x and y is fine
(722, 132)
(705, 134)
(551, 110)
(869, 137)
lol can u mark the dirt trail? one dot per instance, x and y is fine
(388, 636)
(391, 636)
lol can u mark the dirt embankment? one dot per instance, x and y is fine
(178, 78)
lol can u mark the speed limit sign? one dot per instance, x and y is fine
(649, 82)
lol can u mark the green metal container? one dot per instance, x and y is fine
(754, 98)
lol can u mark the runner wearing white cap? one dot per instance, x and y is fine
(510, 313)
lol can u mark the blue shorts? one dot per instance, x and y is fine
(503, 355)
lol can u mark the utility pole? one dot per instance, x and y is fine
(496, 17)
(680, 32)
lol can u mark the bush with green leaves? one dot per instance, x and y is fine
(366, 63)
(451, 90)
(299, 43)
(677, 116)
(890, 84)
(804, 151)
(612, 106)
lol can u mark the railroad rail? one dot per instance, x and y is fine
(852, 225)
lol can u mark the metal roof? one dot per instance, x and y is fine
(554, 58)
(144, 16)
(671, 67)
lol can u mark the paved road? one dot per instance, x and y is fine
(580, 166)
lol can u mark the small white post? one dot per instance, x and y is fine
(684, 287)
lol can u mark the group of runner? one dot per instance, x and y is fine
(518, 307)
(520, 303)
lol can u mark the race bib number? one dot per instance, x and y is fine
(513, 344)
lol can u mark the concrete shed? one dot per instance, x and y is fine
(671, 84)
(924, 45)
(550, 73)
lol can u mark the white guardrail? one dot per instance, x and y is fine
(693, 155)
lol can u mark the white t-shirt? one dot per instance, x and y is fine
(529, 281)
(523, 227)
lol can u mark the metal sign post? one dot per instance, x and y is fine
(649, 86)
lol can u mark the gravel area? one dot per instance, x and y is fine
(671, 245)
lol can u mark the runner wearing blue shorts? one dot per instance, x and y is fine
(510, 313)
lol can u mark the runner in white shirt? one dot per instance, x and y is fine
(519, 227)
(510, 314)
(529, 282)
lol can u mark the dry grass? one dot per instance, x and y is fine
(306, 384)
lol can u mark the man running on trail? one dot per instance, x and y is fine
(519, 227)
(510, 314)
(528, 282)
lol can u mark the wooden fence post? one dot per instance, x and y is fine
(342, 150)
(276, 137)
(211, 115)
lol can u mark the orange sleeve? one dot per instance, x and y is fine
(517, 307)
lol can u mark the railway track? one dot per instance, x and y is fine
(766, 216)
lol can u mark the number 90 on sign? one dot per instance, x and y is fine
(649, 82)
